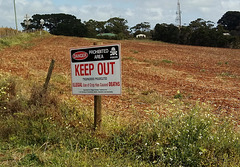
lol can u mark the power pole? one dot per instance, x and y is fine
(15, 12)
(179, 17)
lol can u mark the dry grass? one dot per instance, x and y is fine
(6, 32)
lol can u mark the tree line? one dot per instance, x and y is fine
(203, 33)
(198, 32)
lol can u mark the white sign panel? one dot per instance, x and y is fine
(96, 70)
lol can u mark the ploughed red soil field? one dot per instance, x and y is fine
(205, 74)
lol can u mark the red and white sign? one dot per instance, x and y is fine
(96, 70)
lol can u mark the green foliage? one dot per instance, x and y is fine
(203, 34)
(30, 160)
(167, 61)
(69, 25)
(199, 32)
(21, 39)
(166, 33)
(10, 102)
(48, 132)
(94, 27)
(134, 51)
(141, 28)
(129, 58)
(196, 138)
(231, 21)
(59, 24)
(179, 95)
(117, 26)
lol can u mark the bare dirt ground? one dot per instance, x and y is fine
(205, 74)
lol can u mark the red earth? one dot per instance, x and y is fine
(205, 74)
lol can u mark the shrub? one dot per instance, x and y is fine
(46, 131)
(195, 138)
(9, 101)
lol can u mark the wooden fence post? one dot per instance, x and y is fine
(50, 69)
(97, 112)
(97, 106)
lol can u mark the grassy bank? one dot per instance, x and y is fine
(18, 38)
(42, 130)
(7, 32)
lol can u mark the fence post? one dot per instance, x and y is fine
(97, 112)
(50, 69)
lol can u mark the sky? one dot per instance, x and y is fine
(134, 11)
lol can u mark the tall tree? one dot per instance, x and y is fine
(166, 33)
(117, 26)
(59, 24)
(199, 32)
(143, 27)
(231, 21)
(91, 26)
(94, 27)
(200, 23)
(203, 33)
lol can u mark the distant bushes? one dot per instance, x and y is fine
(198, 33)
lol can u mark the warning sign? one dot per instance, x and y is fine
(96, 70)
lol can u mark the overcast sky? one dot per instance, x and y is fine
(134, 11)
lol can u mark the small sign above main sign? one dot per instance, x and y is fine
(96, 70)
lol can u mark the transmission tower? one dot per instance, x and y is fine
(178, 13)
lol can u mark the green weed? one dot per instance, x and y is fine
(158, 62)
(227, 75)
(222, 63)
(48, 132)
(21, 39)
(179, 95)
(129, 58)
(167, 61)
(180, 140)
(134, 51)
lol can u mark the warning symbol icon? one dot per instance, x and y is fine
(113, 52)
